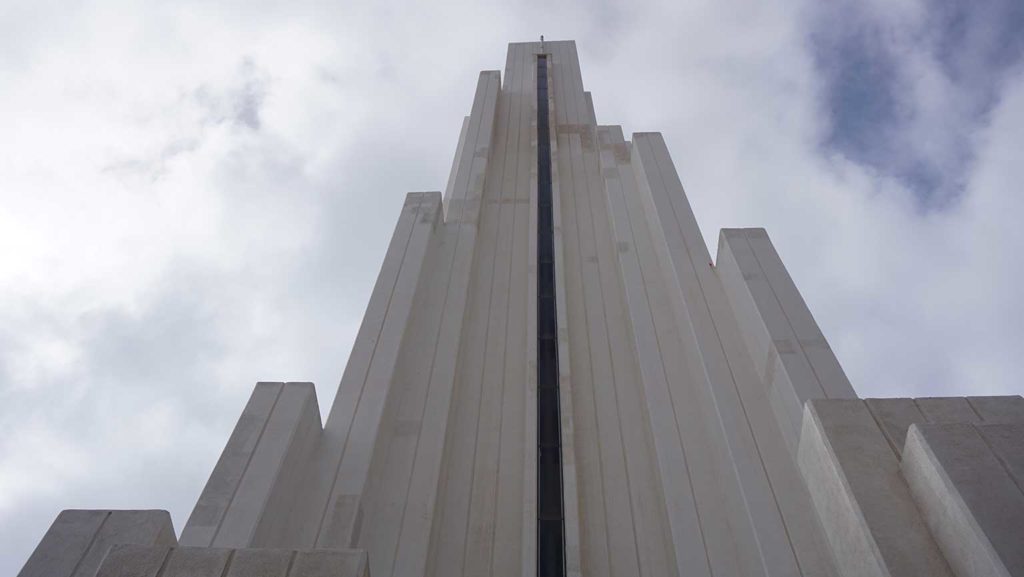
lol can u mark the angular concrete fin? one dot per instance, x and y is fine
(712, 347)
(791, 355)
(79, 540)
(353, 430)
(866, 510)
(656, 375)
(466, 186)
(255, 478)
(973, 506)
(590, 108)
(216, 497)
(456, 163)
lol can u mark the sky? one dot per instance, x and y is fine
(196, 196)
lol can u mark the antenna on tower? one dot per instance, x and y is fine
(542, 43)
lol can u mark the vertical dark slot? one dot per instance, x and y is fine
(550, 516)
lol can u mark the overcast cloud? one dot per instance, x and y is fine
(198, 196)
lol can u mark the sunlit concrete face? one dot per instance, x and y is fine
(553, 377)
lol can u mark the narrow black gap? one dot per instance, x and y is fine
(550, 515)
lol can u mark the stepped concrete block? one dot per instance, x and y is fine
(792, 357)
(254, 483)
(972, 505)
(78, 540)
(868, 514)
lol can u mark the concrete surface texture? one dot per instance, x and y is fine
(705, 426)
(142, 561)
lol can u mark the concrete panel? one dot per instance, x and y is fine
(391, 471)
(763, 407)
(272, 529)
(767, 411)
(803, 528)
(196, 562)
(528, 534)
(769, 312)
(868, 514)
(1004, 409)
(425, 485)
(133, 561)
(150, 561)
(260, 563)
(351, 563)
(271, 477)
(456, 163)
(354, 430)
(391, 465)
(319, 504)
(132, 527)
(220, 489)
(465, 475)
(563, 100)
(125, 527)
(697, 301)
(454, 546)
(64, 544)
(895, 416)
(727, 549)
(78, 540)
(494, 240)
(972, 505)
(774, 348)
(743, 280)
(947, 410)
(658, 550)
(606, 518)
(1007, 443)
(512, 451)
(655, 545)
(451, 534)
(808, 335)
(683, 517)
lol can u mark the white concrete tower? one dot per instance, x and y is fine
(553, 378)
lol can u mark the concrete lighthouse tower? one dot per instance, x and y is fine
(553, 377)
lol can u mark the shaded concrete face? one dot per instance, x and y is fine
(705, 426)
(866, 509)
(970, 498)
(918, 486)
(141, 561)
(78, 540)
